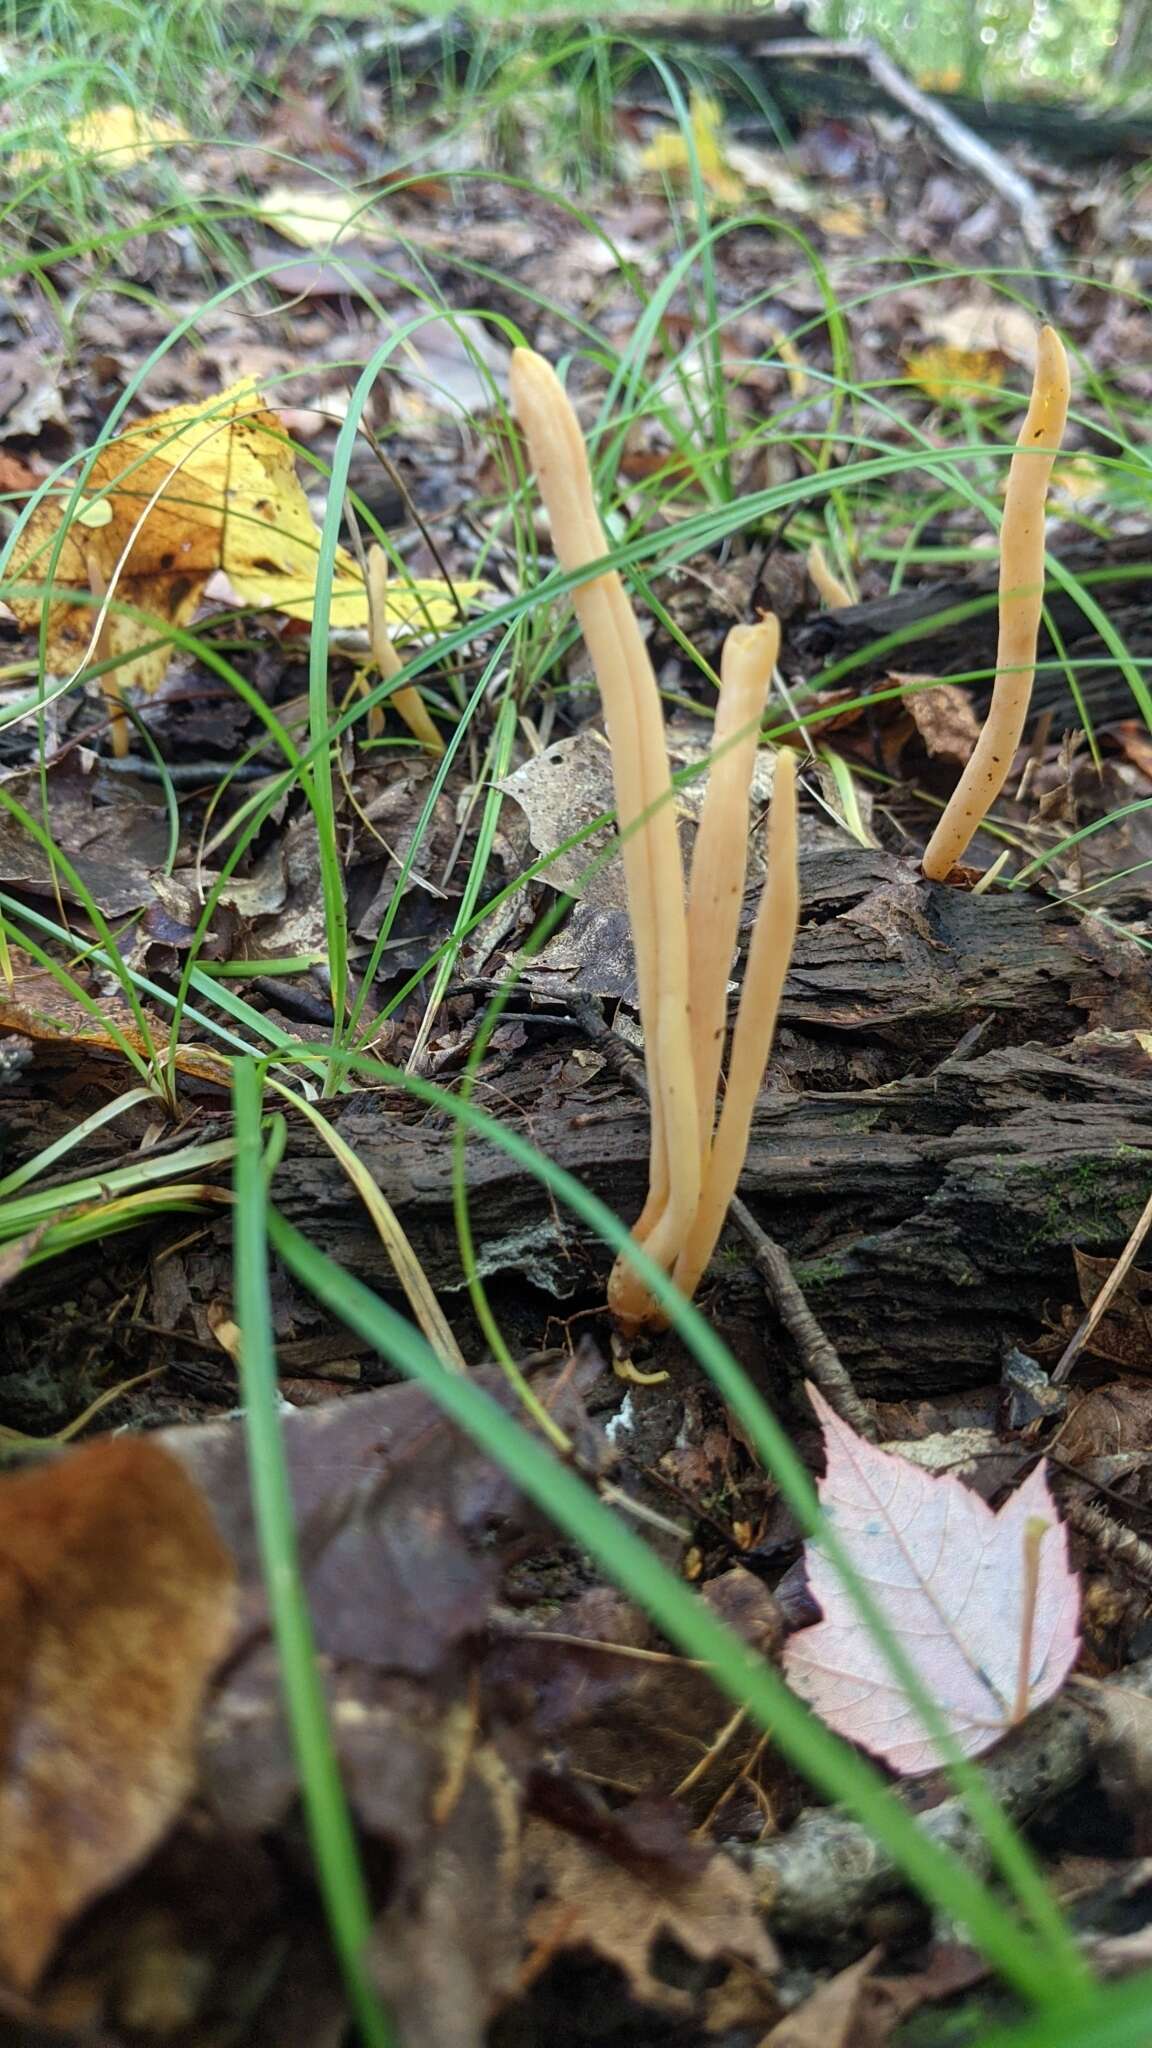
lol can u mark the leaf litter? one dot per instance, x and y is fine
(539, 1782)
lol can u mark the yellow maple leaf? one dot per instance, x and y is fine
(314, 217)
(1079, 478)
(949, 80)
(119, 136)
(192, 490)
(848, 220)
(949, 376)
(669, 153)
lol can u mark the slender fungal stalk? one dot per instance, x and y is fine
(769, 953)
(835, 594)
(1021, 604)
(716, 887)
(653, 869)
(682, 959)
(408, 701)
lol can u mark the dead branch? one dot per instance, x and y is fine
(827, 1873)
(957, 140)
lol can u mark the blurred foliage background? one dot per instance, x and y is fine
(1004, 47)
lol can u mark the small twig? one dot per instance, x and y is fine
(716, 1747)
(953, 136)
(186, 774)
(819, 1357)
(820, 1360)
(1063, 1367)
(828, 1871)
(1121, 1544)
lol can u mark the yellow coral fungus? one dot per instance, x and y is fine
(683, 957)
(1021, 603)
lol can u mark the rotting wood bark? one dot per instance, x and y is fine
(1117, 573)
(928, 1197)
(928, 1200)
(798, 87)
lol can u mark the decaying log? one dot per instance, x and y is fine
(928, 1191)
(781, 46)
(1117, 573)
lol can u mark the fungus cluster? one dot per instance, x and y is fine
(683, 945)
(1021, 602)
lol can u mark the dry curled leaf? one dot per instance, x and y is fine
(561, 791)
(984, 1605)
(943, 715)
(197, 489)
(586, 1900)
(35, 1006)
(116, 1604)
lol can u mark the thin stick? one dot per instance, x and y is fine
(953, 135)
(1021, 603)
(1104, 1299)
(818, 1356)
(719, 857)
(773, 936)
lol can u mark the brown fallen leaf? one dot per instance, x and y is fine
(1105, 1420)
(112, 838)
(36, 1007)
(830, 2018)
(984, 1606)
(584, 1899)
(943, 716)
(1124, 1332)
(858, 2009)
(116, 1605)
(560, 790)
(16, 479)
(603, 1694)
(445, 1952)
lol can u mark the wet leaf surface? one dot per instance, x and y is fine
(983, 1605)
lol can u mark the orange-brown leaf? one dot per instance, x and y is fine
(116, 1604)
(35, 1006)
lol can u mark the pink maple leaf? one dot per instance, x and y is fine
(985, 1606)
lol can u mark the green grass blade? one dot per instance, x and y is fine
(1120, 2016)
(750, 1681)
(107, 1112)
(329, 1822)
